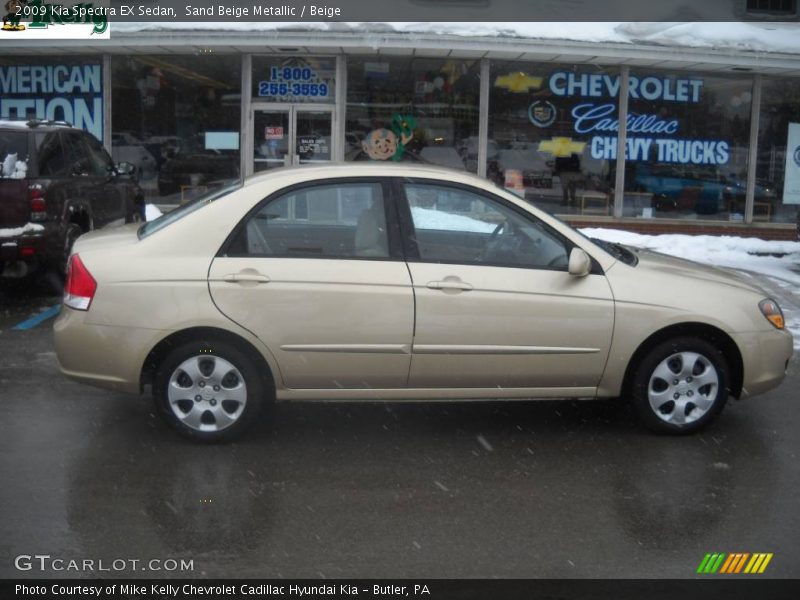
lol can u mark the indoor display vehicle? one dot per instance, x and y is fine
(400, 282)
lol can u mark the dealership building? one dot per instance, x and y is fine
(708, 115)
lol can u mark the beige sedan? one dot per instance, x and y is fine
(402, 283)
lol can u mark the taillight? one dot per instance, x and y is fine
(38, 204)
(80, 286)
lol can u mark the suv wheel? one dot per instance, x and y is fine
(137, 214)
(208, 391)
(681, 385)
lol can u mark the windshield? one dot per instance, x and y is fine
(186, 209)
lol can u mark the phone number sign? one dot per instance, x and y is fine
(294, 82)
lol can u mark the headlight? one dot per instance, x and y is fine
(770, 309)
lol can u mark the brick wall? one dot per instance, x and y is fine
(651, 226)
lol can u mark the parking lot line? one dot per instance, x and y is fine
(35, 320)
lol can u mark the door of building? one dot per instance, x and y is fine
(289, 135)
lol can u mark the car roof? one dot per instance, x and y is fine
(366, 169)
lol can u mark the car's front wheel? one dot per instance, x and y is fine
(209, 391)
(680, 385)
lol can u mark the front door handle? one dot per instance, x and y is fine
(449, 284)
(246, 277)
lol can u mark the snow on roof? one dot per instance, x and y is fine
(761, 36)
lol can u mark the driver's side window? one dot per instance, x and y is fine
(455, 225)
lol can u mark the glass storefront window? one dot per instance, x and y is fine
(177, 120)
(413, 109)
(687, 146)
(779, 121)
(550, 127)
(54, 88)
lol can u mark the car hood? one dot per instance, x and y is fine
(107, 238)
(689, 269)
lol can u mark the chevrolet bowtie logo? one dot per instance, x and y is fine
(737, 562)
(518, 82)
(561, 146)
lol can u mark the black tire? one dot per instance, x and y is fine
(209, 349)
(675, 396)
(136, 213)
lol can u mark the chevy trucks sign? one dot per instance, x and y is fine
(651, 136)
(71, 93)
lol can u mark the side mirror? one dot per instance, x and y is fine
(126, 169)
(579, 263)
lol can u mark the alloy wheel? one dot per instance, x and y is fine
(683, 387)
(207, 393)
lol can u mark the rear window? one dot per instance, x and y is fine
(186, 209)
(13, 154)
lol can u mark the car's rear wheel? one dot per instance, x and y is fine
(681, 385)
(208, 390)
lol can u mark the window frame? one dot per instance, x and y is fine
(389, 207)
(408, 230)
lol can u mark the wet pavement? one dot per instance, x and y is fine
(535, 489)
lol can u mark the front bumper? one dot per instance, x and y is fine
(765, 355)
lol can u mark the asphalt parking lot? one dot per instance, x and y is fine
(534, 489)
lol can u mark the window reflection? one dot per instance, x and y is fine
(177, 120)
(688, 138)
(413, 109)
(542, 121)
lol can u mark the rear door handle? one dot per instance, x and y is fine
(245, 277)
(450, 284)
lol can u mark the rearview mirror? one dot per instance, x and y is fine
(579, 263)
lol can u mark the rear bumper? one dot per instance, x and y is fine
(766, 356)
(84, 355)
(24, 253)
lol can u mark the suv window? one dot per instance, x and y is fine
(344, 220)
(77, 154)
(456, 225)
(13, 148)
(53, 160)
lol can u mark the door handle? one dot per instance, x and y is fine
(245, 277)
(450, 284)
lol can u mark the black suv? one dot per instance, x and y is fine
(57, 182)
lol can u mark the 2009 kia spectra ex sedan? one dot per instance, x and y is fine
(389, 282)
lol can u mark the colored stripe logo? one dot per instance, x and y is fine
(737, 562)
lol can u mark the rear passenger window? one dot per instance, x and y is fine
(53, 161)
(329, 221)
(77, 154)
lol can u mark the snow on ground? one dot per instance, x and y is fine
(151, 212)
(27, 228)
(750, 255)
(768, 37)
